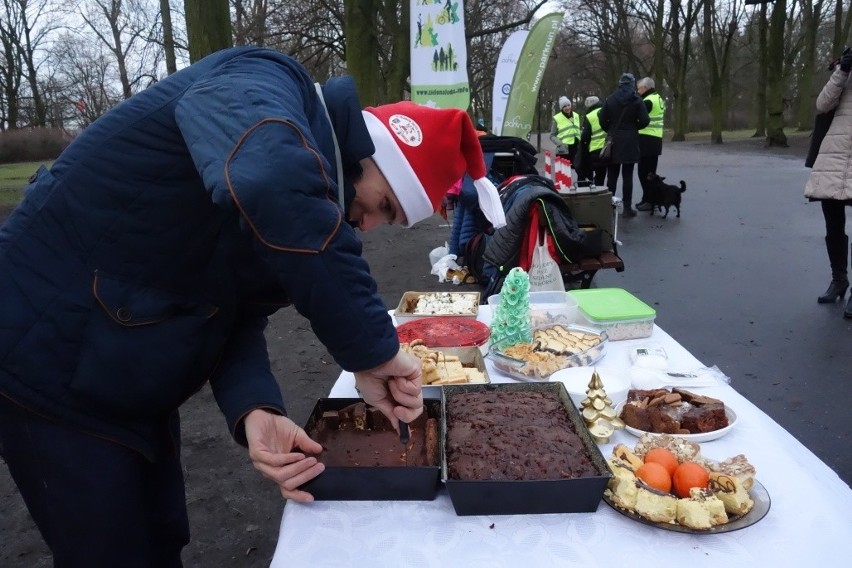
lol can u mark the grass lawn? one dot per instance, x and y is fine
(13, 178)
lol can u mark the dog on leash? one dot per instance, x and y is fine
(664, 194)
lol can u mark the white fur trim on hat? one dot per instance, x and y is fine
(564, 102)
(398, 172)
(489, 202)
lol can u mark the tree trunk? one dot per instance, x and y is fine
(775, 82)
(168, 37)
(680, 46)
(362, 49)
(760, 95)
(805, 109)
(842, 25)
(658, 70)
(714, 77)
(399, 66)
(208, 27)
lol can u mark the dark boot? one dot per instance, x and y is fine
(837, 258)
(847, 313)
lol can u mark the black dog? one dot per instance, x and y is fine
(662, 194)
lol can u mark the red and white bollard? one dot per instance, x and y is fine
(548, 165)
(562, 178)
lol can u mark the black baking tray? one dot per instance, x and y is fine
(581, 495)
(374, 483)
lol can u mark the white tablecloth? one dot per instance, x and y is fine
(809, 523)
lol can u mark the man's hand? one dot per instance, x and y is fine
(394, 388)
(271, 441)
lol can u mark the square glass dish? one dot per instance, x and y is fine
(552, 348)
(416, 305)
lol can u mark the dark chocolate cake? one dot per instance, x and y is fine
(520, 435)
(361, 436)
(675, 411)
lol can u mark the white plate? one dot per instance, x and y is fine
(576, 381)
(704, 437)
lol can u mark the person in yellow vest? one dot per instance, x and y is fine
(592, 138)
(650, 137)
(565, 130)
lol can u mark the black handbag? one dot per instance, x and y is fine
(606, 151)
(821, 123)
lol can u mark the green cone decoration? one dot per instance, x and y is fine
(510, 322)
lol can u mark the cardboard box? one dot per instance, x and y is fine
(594, 208)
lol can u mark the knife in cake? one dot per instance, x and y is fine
(403, 432)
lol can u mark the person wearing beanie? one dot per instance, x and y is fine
(622, 116)
(589, 167)
(650, 137)
(565, 129)
(144, 263)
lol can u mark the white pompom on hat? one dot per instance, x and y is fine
(422, 151)
(564, 102)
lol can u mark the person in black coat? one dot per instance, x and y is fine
(623, 115)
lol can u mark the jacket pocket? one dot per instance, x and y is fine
(144, 350)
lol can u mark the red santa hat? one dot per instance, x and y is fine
(422, 151)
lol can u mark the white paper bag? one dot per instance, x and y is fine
(544, 271)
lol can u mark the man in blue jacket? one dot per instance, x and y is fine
(145, 262)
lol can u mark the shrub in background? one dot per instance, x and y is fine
(31, 144)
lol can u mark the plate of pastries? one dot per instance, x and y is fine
(666, 482)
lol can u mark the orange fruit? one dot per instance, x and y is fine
(656, 476)
(663, 457)
(689, 475)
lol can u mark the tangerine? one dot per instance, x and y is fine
(663, 457)
(689, 475)
(656, 476)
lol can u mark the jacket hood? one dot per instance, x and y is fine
(625, 94)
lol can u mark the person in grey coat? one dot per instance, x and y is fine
(830, 181)
(623, 115)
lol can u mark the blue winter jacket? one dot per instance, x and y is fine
(146, 260)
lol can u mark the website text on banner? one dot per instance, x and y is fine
(528, 75)
(439, 54)
(507, 62)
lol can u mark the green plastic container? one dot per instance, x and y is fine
(615, 310)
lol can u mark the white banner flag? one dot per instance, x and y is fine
(439, 54)
(506, 64)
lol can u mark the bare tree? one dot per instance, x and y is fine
(32, 26)
(720, 28)
(168, 36)
(12, 65)
(123, 26)
(83, 85)
(681, 26)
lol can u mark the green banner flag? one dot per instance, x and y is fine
(532, 63)
(439, 54)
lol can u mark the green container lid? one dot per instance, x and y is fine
(612, 304)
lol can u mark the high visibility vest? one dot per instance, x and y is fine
(598, 134)
(567, 129)
(658, 109)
